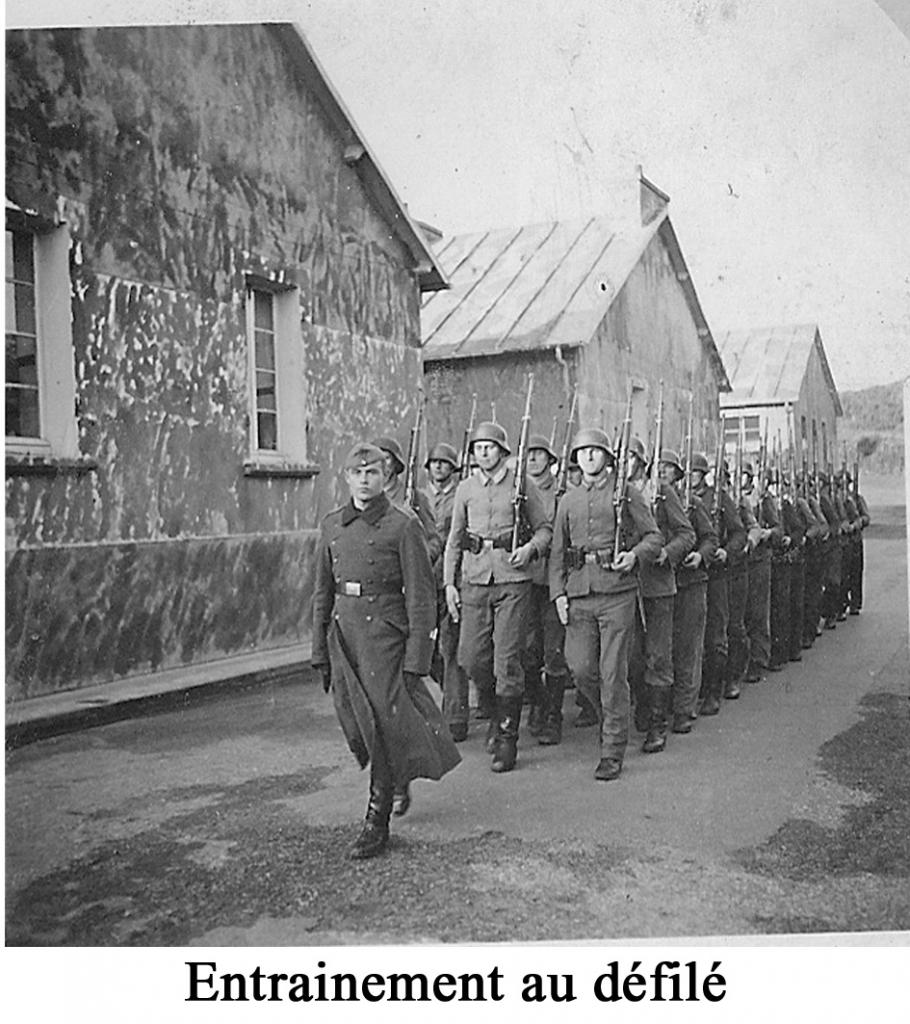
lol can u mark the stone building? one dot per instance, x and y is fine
(214, 289)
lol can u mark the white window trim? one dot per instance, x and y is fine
(53, 319)
(290, 384)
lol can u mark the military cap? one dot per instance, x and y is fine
(391, 447)
(591, 437)
(491, 432)
(637, 447)
(363, 454)
(700, 462)
(539, 441)
(671, 458)
(442, 452)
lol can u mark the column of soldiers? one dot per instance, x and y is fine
(650, 591)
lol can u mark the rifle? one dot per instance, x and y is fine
(658, 443)
(466, 443)
(562, 472)
(791, 456)
(717, 508)
(816, 483)
(410, 477)
(520, 491)
(856, 477)
(687, 464)
(621, 478)
(738, 465)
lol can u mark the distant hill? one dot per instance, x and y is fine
(873, 425)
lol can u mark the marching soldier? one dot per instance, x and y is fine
(374, 613)
(780, 578)
(546, 671)
(493, 605)
(738, 595)
(731, 539)
(833, 565)
(802, 578)
(393, 461)
(651, 664)
(690, 605)
(758, 607)
(441, 466)
(594, 593)
(816, 559)
(855, 584)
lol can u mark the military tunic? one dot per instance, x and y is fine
(374, 611)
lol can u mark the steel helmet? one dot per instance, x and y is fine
(748, 469)
(637, 447)
(700, 462)
(591, 437)
(442, 452)
(491, 432)
(539, 441)
(671, 458)
(393, 448)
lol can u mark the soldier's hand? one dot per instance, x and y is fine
(625, 562)
(562, 609)
(662, 557)
(522, 556)
(326, 672)
(786, 542)
(692, 560)
(453, 602)
(721, 556)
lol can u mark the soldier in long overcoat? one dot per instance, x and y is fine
(374, 613)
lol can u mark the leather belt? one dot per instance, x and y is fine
(354, 588)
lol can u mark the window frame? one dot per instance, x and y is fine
(54, 357)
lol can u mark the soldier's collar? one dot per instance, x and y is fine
(371, 515)
(599, 482)
(497, 477)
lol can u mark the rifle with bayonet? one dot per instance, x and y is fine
(562, 472)
(621, 477)
(717, 508)
(738, 465)
(816, 482)
(658, 443)
(465, 471)
(521, 532)
(687, 464)
(413, 458)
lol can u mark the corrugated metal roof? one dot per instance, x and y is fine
(767, 364)
(530, 287)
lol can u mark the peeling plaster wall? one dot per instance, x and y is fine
(183, 159)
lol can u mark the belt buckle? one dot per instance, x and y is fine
(488, 544)
(591, 558)
(353, 589)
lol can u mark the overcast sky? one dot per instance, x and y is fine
(779, 128)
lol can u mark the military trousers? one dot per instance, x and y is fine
(758, 612)
(813, 592)
(494, 622)
(797, 606)
(651, 655)
(832, 585)
(855, 595)
(546, 639)
(454, 679)
(690, 610)
(598, 636)
(780, 611)
(737, 637)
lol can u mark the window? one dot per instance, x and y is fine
(40, 377)
(22, 397)
(278, 401)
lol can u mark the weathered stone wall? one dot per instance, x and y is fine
(181, 160)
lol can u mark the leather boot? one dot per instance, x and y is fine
(712, 678)
(537, 717)
(551, 734)
(374, 836)
(509, 717)
(491, 740)
(659, 722)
